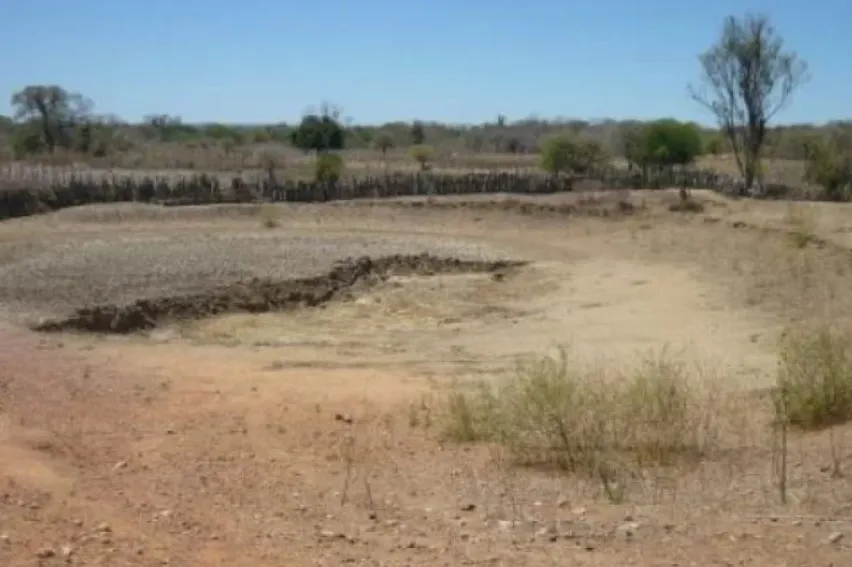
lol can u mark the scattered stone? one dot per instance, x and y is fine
(343, 417)
(505, 524)
(119, 465)
(45, 553)
(835, 537)
(628, 530)
(67, 551)
(104, 527)
(170, 431)
(562, 503)
(547, 533)
(469, 507)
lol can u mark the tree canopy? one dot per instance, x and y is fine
(319, 133)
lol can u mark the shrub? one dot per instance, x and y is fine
(558, 413)
(814, 383)
(830, 166)
(421, 153)
(566, 154)
(328, 168)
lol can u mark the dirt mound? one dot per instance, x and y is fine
(262, 295)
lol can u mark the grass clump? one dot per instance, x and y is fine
(585, 420)
(814, 383)
(269, 216)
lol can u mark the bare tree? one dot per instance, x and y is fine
(56, 110)
(747, 77)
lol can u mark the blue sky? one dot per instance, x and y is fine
(460, 61)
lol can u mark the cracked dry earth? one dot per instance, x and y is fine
(309, 437)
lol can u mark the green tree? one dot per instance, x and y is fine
(222, 132)
(714, 145)
(747, 78)
(567, 154)
(418, 133)
(663, 143)
(383, 142)
(319, 133)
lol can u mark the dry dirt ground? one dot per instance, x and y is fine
(312, 437)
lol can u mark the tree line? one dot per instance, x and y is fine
(745, 79)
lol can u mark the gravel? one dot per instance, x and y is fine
(111, 268)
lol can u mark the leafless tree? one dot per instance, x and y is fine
(56, 111)
(747, 78)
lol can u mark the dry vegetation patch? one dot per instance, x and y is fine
(251, 455)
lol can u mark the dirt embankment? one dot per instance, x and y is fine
(258, 295)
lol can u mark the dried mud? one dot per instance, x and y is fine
(263, 295)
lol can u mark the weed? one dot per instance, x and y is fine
(814, 383)
(269, 216)
(556, 412)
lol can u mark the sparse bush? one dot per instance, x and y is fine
(686, 203)
(383, 142)
(830, 166)
(269, 216)
(421, 153)
(556, 412)
(802, 226)
(814, 383)
(566, 154)
(328, 168)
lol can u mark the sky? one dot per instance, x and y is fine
(463, 61)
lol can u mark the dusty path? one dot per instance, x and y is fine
(298, 439)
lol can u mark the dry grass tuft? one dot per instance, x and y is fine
(814, 389)
(590, 421)
(269, 216)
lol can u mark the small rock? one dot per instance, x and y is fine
(119, 465)
(4, 538)
(170, 431)
(562, 502)
(67, 551)
(342, 417)
(835, 537)
(469, 507)
(628, 529)
(45, 553)
(104, 527)
(505, 524)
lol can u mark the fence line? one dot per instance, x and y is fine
(27, 190)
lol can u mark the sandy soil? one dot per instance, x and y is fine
(310, 438)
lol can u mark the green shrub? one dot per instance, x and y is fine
(328, 168)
